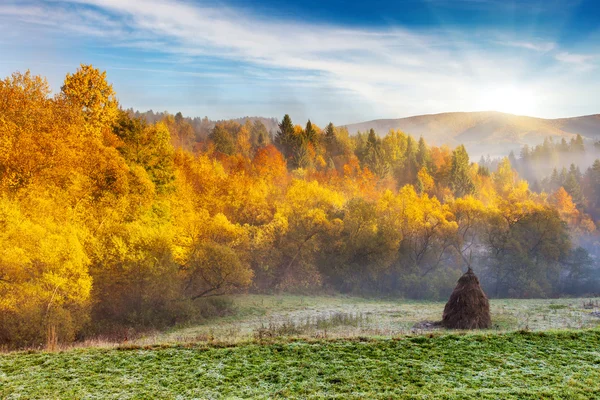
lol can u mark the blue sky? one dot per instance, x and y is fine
(334, 60)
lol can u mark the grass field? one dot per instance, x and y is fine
(331, 347)
(349, 317)
(519, 365)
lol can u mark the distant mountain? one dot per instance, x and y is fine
(487, 132)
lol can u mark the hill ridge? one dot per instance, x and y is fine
(482, 132)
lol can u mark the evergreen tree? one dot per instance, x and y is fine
(410, 162)
(330, 139)
(484, 163)
(525, 153)
(460, 180)
(284, 139)
(310, 134)
(259, 134)
(554, 181)
(513, 159)
(593, 180)
(575, 171)
(564, 146)
(360, 149)
(423, 156)
(562, 178)
(577, 144)
(301, 157)
(573, 188)
(222, 140)
(261, 140)
(483, 171)
(178, 118)
(372, 140)
(374, 156)
(419, 187)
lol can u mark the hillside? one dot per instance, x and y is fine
(488, 132)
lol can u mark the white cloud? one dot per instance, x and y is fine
(375, 64)
(398, 71)
(542, 47)
(583, 62)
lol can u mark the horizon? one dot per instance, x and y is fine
(455, 112)
(324, 61)
(372, 120)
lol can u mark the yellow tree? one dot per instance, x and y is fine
(305, 215)
(44, 281)
(148, 146)
(427, 229)
(580, 222)
(181, 132)
(210, 250)
(505, 178)
(425, 181)
(564, 205)
(357, 254)
(88, 91)
(243, 144)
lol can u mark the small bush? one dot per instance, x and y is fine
(557, 306)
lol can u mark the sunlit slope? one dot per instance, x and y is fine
(484, 132)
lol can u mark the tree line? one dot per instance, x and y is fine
(571, 166)
(111, 221)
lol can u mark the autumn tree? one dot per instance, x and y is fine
(427, 235)
(88, 90)
(214, 270)
(147, 146)
(294, 238)
(44, 281)
(181, 132)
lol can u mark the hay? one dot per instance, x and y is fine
(468, 306)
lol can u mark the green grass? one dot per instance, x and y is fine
(518, 365)
(332, 347)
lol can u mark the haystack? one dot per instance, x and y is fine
(468, 307)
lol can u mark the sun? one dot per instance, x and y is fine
(509, 99)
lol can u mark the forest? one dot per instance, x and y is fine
(111, 219)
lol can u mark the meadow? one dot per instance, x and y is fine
(331, 347)
(327, 317)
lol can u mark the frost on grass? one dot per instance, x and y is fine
(340, 317)
(487, 365)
